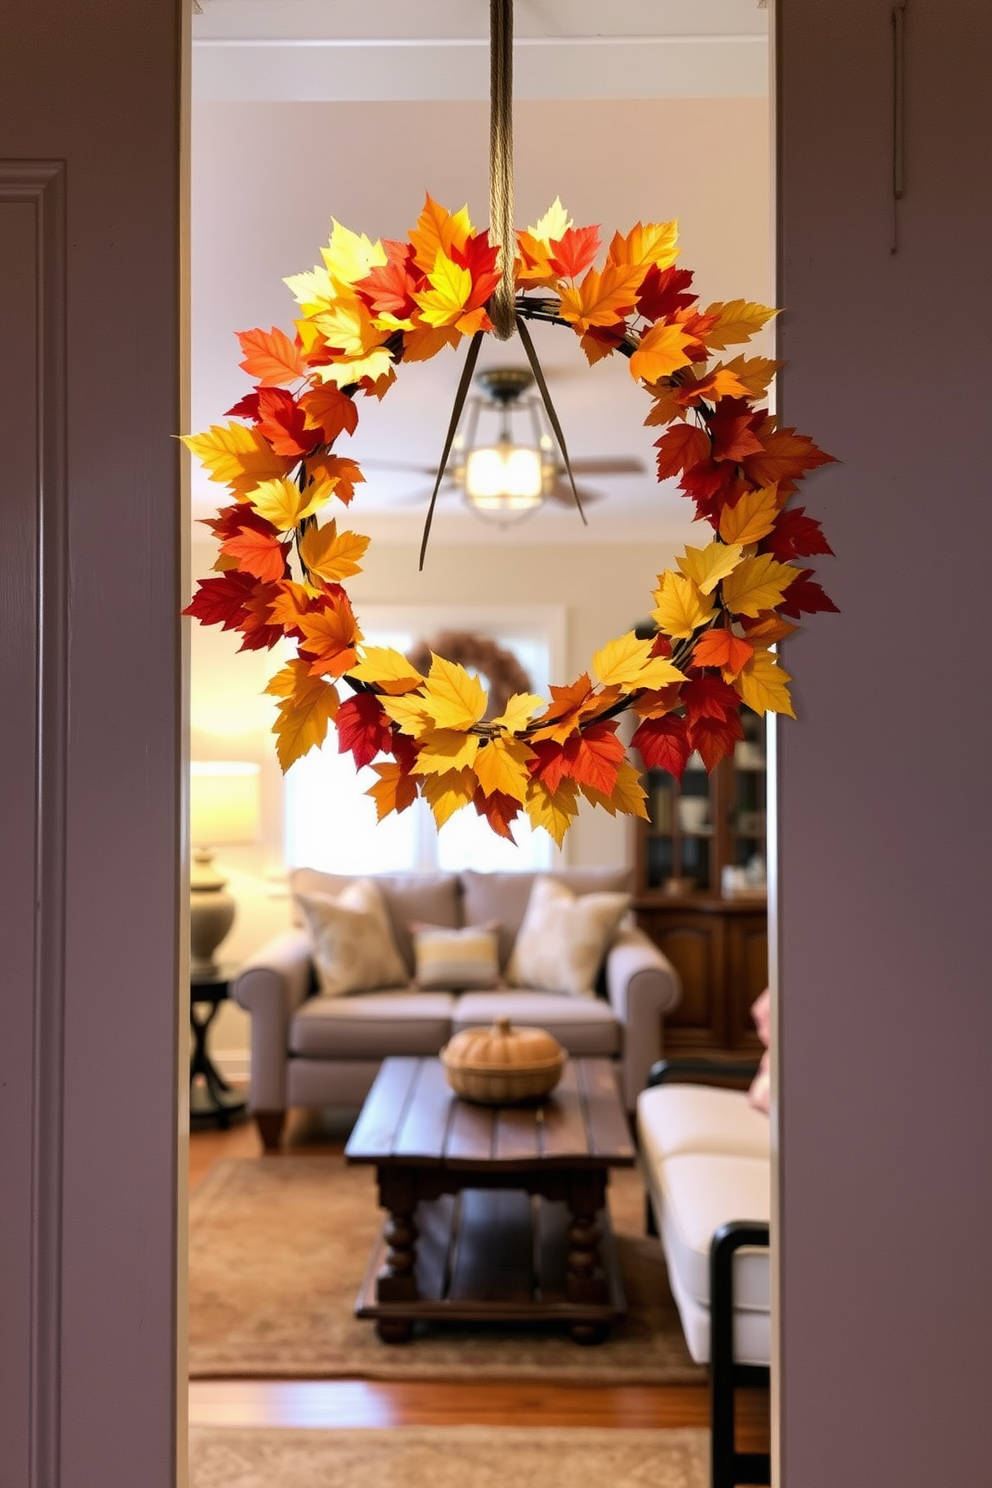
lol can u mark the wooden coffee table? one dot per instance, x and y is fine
(495, 1213)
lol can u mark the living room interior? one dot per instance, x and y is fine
(880, 949)
(547, 588)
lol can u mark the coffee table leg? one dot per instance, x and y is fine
(585, 1281)
(397, 1281)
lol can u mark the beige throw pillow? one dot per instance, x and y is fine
(563, 938)
(353, 945)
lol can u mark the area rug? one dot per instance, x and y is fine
(446, 1457)
(278, 1250)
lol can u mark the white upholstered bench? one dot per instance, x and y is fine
(705, 1156)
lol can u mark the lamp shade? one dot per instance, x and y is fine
(224, 802)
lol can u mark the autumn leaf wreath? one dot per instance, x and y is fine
(281, 572)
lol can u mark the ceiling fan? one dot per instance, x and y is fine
(508, 473)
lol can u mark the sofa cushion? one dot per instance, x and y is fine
(455, 960)
(434, 898)
(353, 946)
(581, 1025)
(372, 1025)
(673, 1119)
(504, 896)
(701, 1192)
(564, 937)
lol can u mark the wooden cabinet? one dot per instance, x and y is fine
(700, 895)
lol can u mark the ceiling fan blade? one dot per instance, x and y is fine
(609, 465)
(562, 491)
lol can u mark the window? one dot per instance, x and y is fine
(330, 822)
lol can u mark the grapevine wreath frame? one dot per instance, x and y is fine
(720, 613)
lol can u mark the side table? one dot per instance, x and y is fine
(213, 1099)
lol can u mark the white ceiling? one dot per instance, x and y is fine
(308, 109)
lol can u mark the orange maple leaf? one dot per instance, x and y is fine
(330, 635)
(258, 553)
(602, 299)
(438, 231)
(330, 410)
(395, 789)
(271, 358)
(721, 648)
(337, 468)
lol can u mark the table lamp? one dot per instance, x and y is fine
(224, 809)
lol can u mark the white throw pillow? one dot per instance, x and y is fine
(563, 938)
(455, 960)
(353, 945)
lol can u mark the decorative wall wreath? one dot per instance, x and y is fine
(500, 668)
(370, 306)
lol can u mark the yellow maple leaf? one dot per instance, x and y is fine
(764, 685)
(237, 456)
(446, 794)
(757, 584)
(754, 372)
(452, 697)
(282, 503)
(501, 765)
(349, 256)
(312, 290)
(309, 704)
(646, 243)
(425, 341)
(737, 320)
(332, 555)
(751, 517)
(552, 810)
(553, 226)
(388, 669)
(628, 795)
(707, 566)
(445, 749)
(628, 662)
(518, 712)
(602, 298)
(661, 352)
(407, 712)
(451, 286)
(393, 791)
(438, 230)
(681, 608)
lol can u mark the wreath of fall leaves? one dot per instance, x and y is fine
(281, 572)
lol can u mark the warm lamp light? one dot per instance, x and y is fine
(224, 808)
(511, 475)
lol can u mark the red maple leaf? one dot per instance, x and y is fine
(594, 755)
(713, 739)
(499, 810)
(236, 518)
(363, 728)
(480, 260)
(662, 292)
(574, 251)
(681, 447)
(805, 597)
(221, 600)
(389, 288)
(663, 743)
(246, 407)
(709, 697)
(731, 427)
(258, 632)
(795, 535)
(284, 423)
(785, 456)
(712, 487)
(551, 765)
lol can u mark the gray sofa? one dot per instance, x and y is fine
(312, 1050)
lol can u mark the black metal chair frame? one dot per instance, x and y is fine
(728, 1466)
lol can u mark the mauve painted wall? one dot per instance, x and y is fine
(94, 1154)
(885, 1032)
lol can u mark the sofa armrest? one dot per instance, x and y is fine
(642, 986)
(271, 986)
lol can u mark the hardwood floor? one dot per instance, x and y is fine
(336, 1403)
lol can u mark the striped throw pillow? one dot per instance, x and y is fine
(456, 960)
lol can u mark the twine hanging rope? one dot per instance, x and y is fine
(502, 311)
